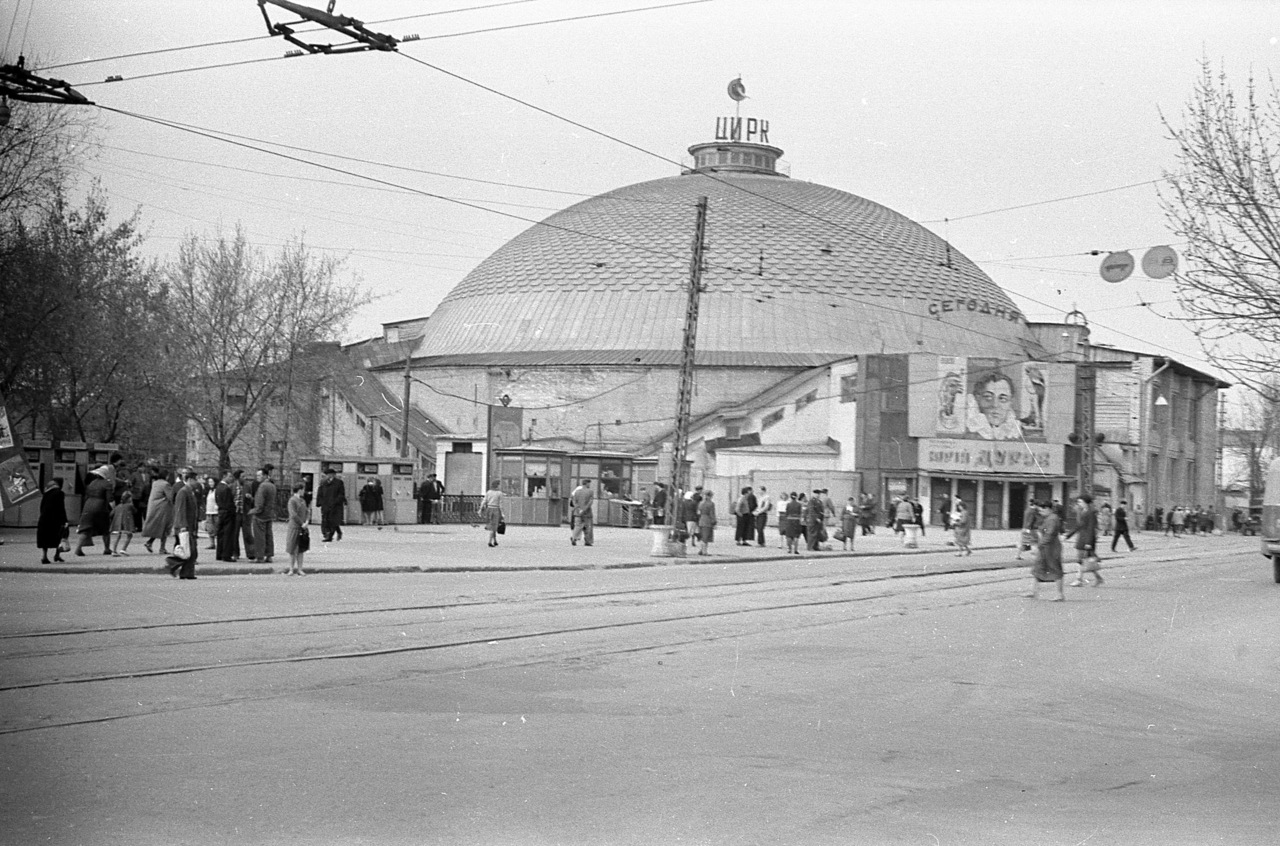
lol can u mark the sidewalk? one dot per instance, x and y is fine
(461, 548)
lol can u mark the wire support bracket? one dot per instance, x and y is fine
(23, 85)
(361, 37)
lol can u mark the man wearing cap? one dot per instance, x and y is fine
(429, 494)
(331, 497)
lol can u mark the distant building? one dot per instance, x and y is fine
(337, 407)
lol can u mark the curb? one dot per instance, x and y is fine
(268, 570)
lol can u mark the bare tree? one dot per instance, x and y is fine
(1224, 200)
(40, 150)
(1255, 440)
(237, 321)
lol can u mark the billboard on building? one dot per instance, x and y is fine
(987, 399)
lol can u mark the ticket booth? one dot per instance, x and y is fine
(394, 476)
(533, 485)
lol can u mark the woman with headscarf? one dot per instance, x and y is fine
(53, 521)
(95, 514)
(1048, 566)
(159, 521)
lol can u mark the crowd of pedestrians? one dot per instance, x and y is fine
(174, 507)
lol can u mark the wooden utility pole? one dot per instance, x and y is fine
(684, 401)
(404, 424)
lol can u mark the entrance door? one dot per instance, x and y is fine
(940, 488)
(464, 473)
(1017, 504)
(967, 490)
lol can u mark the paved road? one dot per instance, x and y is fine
(890, 699)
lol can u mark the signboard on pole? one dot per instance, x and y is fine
(17, 483)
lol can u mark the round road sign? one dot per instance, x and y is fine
(1160, 262)
(1116, 267)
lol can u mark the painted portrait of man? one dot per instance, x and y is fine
(991, 414)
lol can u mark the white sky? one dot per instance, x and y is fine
(935, 109)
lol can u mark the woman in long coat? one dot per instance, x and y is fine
(1048, 566)
(53, 520)
(95, 514)
(961, 525)
(159, 522)
(795, 523)
(706, 521)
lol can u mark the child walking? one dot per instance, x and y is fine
(122, 525)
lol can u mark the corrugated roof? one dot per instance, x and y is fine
(791, 267)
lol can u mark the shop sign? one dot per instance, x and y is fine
(1003, 457)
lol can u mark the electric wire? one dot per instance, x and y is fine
(625, 244)
(1047, 202)
(295, 55)
(230, 41)
(624, 143)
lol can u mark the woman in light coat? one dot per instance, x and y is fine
(159, 521)
(706, 521)
(491, 510)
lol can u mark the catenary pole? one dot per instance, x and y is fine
(684, 400)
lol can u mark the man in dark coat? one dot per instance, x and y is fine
(1085, 532)
(430, 492)
(186, 525)
(264, 515)
(331, 497)
(1122, 528)
(224, 497)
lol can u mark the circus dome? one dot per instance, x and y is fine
(795, 274)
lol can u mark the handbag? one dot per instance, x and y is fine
(839, 535)
(304, 539)
(182, 549)
(502, 527)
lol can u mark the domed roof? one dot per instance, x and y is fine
(795, 274)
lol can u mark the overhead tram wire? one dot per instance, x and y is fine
(275, 58)
(209, 134)
(889, 245)
(659, 156)
(214, 137)
(710, 175)
(583, 126)
(407, 168)
(1047, 202)
(253, 38)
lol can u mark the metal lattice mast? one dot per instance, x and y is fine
(684, 401)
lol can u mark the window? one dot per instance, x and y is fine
(807, 399)
(849, 387)
(361, 422)
(771, 418)
(733, 430)
(384, 434)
